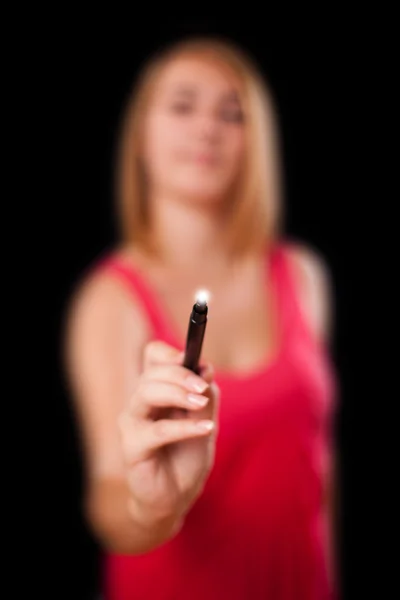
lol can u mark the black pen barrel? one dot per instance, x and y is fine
(195, 336)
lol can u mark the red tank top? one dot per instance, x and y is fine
(259, 529)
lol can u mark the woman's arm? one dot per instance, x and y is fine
(315, 292)
(314, 286)
(105, 335)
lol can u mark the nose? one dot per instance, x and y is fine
(208, 127)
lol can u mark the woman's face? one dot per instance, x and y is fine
(194, 131)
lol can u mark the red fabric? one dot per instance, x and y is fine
(258, 531)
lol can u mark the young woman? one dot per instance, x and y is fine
(219, 485)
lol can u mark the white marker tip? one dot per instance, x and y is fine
(202, 297)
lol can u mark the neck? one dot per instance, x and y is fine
(190, 237)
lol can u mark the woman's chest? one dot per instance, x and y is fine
(241, 328)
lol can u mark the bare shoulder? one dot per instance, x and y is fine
(102, 318)
(104, 301)
(314, 281)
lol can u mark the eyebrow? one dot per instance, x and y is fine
(185, 90)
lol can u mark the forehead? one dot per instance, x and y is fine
(199, 74)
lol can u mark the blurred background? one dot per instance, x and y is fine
(87, 74)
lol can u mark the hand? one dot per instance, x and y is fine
(168, 435)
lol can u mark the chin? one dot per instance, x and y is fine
(202, 191)
(202, 196)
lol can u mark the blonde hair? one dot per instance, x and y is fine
(255, 215)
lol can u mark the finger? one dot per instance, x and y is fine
(158, 352)
(215, 395)
(206, 371)
(152, 393)
(150, 437)
(177, 375)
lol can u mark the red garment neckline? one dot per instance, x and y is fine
(159, 319)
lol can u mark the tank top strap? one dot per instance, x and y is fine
(290, 314)
(135, 282)
(281, 278)
(293, 318)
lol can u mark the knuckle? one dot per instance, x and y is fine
(156, 348)
(131, 451)
(128, 437)
(170, 374)
(167, 371)
(181, 395)
(131, 440)
(150, 349)
(179, 374)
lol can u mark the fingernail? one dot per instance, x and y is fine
(196, 384)
(205, 425)
(197, 399)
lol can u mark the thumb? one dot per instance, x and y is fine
(206, 371)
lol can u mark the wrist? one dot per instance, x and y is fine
(155, 525)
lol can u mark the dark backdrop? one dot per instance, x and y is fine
(86, 76)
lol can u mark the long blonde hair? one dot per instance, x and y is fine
(255, 218)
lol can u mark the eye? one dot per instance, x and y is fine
(181, 107)
(232, 115)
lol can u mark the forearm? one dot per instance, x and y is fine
(114, 523)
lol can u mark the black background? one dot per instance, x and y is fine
(82, 79)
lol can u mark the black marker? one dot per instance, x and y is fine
(195, 334)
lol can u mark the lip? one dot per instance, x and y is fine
(205, 158)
